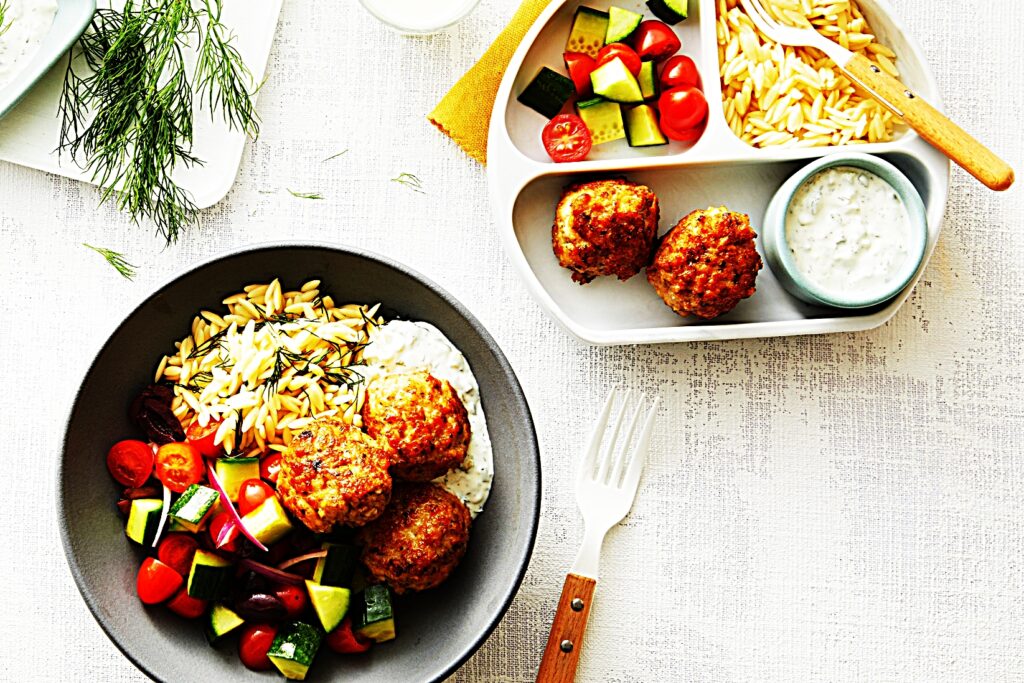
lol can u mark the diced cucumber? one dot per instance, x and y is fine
(294, 649)
(642, 127)
(222, 622)
(614, 81)
(329, 602)
(210, 577)
(669, 11)
(621, 24)
(233, 471)
(374, 617)
(548, 92)
(269, 522)
(589, 28)
(603, 118)
(648, 80)
(143, 520)
(194, 507)
(337, 566)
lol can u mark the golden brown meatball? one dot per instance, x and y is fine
(422, 419)
(606, 227)
(333, 473)
(418, 540)
(706, 264)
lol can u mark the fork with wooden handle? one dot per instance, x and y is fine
(606, 485)
(929, 123)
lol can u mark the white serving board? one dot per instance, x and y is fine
(718, 170)
(30, 132)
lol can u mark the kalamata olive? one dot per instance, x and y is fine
(151, 412)
(261, 607)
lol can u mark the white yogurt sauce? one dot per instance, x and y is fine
(849, 233)
(25, 24)
(419, 15)
(400, 347)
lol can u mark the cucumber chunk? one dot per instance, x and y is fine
(642, 127)
(269, 522)
(222, 622)
(669, 11)
(233, 471)
(603, 118)
(589, 27)
(548, 92)
(143, 520)
(621, 24)
(211, 576)
(294, 649)
(194, 507)
(613, 81)
(337, 567)
(329, 602)
(373, 616)
(648, 80)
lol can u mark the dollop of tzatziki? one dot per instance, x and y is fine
(402, 346)
(24, 26)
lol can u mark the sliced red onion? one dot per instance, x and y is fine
(302, 558)
(226, 535)
(226, 502)
(164, 511)
(272, 572)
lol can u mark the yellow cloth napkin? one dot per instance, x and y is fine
(465, 112)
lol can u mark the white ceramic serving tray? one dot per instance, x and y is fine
(30, 132)
(719, 169)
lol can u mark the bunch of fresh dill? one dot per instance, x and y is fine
(128, 106)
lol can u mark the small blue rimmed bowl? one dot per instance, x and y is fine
(780, 257)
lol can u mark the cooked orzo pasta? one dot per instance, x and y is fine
(269, 366)
(795, 96)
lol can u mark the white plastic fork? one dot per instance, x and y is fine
(606, 483)
(929, 123)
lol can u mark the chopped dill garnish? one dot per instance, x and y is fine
(410, 181)
(115, 259)
(335, 156)
(3, 16)
(305, 195)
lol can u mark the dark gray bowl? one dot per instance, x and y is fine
(437, 630)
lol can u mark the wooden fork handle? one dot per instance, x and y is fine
(562, 654)
(931, 125)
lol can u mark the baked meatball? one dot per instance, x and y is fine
(706, 264)
(606, 227)
(333, 473)
(422, 419)
(419, 539)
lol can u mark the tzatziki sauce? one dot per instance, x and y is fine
(25, 25)
(402, 346)
(849, 233)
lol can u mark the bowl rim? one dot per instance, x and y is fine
(775, 228)
(516, 390)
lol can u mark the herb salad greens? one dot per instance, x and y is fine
(130, 98)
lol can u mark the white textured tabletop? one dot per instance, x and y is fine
(815, 509)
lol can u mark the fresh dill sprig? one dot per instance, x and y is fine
(410, 181)
(305, 195)
(3, 17)
(335, 156)
(127, 114)
(115, 259)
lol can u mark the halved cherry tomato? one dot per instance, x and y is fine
(624, 52)
(156, 581)
(655, 40)
(682, 109)
(177, 551)
(294, 599)
(566, 138)
(130, 462)
(686, 135)
(184, 605)
(251, 495)
(270, 467)
(580, 66)
(345, 641)
(178, 466)
(202, 438)
(224, 532)
(253, 645)
(680, 71)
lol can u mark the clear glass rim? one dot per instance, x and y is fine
(472, 5)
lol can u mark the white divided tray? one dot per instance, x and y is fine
(719, 169)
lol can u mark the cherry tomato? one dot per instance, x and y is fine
(655, 40)
(622, 51)
(294, 599)
(345, 641)
(130, 463)
(251, 495)
(682, 109)
(253, 645)
(580, 66)
(224, 532)
(270, 466)
(202, 438)
(156, 581)
(680, 71)
(178, 466)
(177, 551)
(566, 138)
(685, 135)
(184, 605)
